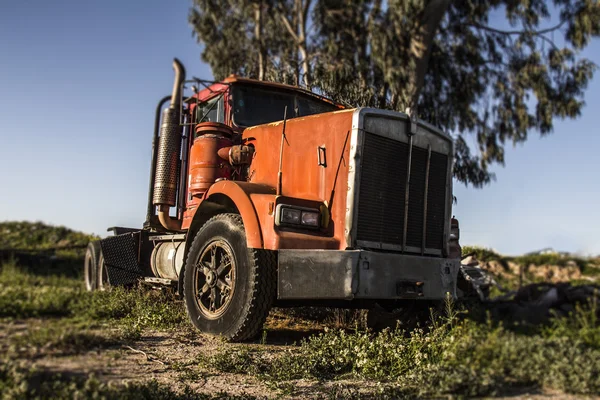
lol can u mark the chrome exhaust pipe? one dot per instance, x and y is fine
(169, 148)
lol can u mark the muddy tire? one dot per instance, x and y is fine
(228, 288)
(90, 265)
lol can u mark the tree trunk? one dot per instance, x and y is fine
(420, 48)
(302, 9)
(297, 30)
(258, 13)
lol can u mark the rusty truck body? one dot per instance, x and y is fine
(266, 194)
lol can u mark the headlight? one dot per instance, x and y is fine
(297, 216)
(310, 218)
(290, 216)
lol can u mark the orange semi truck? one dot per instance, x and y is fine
(265, 194)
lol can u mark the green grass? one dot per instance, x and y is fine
(582, 324)
(24, 295)
(39, 236)
(43, 249)
(456, 356)
(17, 382)
(486, 254)
(60, 339)
(481, 253)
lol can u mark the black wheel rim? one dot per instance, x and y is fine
(214, 279)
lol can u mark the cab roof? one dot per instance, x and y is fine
(219, 87)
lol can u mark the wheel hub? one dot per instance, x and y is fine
(211, 279)
(215, 279)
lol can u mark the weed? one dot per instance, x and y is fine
(456, 356)
(17, 382)
(581, 324)
(61, 339)
(237, 360)
(23, 295)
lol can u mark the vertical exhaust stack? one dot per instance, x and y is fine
(169, 149)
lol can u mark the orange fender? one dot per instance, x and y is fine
(239, 193)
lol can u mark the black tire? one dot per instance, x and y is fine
(90, 265)
(243, 284)
(102, 281)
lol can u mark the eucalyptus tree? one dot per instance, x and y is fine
(492, 70)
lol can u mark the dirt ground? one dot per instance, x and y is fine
(172, 358)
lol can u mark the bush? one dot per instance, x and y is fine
(582, 324)
(23, 295)
(549, 259)
(38, 236)
(481, 253)
(454, 357)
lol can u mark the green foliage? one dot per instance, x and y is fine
(456, 356)
(63, 339)
(481, 253)
(549, 259)
(24, 295)
(486, 254)
(581, 324)
(17, 382)
(236, 360)
(43, 249)
(454, 62)
(39, 236)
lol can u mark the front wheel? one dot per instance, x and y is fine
(228, 288)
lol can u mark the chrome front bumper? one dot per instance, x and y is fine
(361, 274)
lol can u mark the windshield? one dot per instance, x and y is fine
(254, 105)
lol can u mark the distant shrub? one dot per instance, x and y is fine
(549, 259)
(481, 253)
(39, 236)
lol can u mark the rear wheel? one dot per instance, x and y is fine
(102, 282)
(90, 265)
(228, 288)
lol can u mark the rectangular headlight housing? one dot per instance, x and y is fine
(300, 217)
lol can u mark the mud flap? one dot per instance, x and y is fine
(121, 258)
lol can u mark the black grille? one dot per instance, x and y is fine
(383, 189)
(120, 258)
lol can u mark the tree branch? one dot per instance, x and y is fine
(503, 32)
(287, 24)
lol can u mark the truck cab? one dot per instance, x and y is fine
(265, 194)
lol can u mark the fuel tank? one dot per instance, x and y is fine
(167, 259)
(206, 167)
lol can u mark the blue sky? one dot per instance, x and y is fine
(79, 81)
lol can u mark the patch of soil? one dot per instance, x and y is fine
(171, 358)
